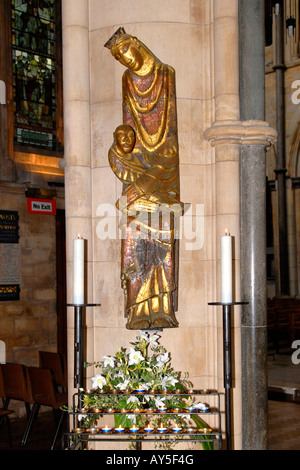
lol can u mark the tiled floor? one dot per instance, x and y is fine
(284, 425)
(40, 438)
(283, 371)
(284, 408)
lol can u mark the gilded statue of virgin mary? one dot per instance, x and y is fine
(149, 171)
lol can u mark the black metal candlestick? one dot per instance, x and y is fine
(78, 343)
(227, 367)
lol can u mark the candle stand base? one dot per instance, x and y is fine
(227, 366)
(78, 343)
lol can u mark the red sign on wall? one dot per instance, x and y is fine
(41, 206)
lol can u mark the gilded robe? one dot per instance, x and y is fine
(149, 249)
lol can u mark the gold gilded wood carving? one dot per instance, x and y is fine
(144, 156)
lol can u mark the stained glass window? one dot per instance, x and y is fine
(34, 73)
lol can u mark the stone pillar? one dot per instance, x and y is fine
(226, 166)
(228, 134)
(253, 227)
(251, 137)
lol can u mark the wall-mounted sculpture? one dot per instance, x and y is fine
(144, 156)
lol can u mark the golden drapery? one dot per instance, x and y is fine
(150, 201)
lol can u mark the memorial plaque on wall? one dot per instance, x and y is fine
(9, 227)
(9, 256)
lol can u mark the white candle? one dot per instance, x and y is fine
(78, 271)
(106, 429)
(149, 428)
(119, 429)
(134, 428)
(176, 428)
(226, 268)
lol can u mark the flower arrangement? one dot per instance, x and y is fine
(144, 369)
(128, 371)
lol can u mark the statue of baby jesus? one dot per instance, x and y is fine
(143, 188)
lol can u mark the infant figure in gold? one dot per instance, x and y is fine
(144, 156)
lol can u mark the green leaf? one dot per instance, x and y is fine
(123, 421)
(201, 424)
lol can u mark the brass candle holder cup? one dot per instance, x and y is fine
(119, 429)
(149, 428)
(106, 429)
(176, 410)
(78, 430)
(92, 430)
(96, 410)
(162, 429)
(134, 429)
(205, 430)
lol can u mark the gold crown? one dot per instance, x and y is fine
(119, 36)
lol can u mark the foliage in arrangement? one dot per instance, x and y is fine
(128, 370)
(145, 368)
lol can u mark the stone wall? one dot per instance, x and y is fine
(30, 324)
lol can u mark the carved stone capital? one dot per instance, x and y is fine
(241, 133)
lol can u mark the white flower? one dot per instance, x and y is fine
(162, 359)
(152, 340)
(134, 357)
(172, 381)
(159, 402)
(145, 386)
(200, 406)
(98, 381)
(133, 399)
(164, 381)
(120, 374)
(144, 335)
(108, 360)
(123, 385)
(150, 337)
(168, 380)
(132, 418)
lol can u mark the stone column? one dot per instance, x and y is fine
(228, 134)
(253, 227)
(226, 167)
(252, 137)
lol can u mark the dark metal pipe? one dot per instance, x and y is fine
(227, 363)
(280, 170)
(78, 347)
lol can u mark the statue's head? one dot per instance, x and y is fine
(129, 50)
(124, 138)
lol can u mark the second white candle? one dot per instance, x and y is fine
(226, 269)
(78, 271)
